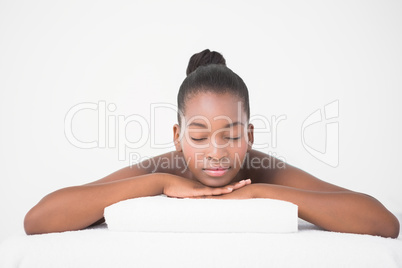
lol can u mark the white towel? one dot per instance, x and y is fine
(165, 214)
(99, 247)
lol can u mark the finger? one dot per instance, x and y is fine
(197, 197)
(206, 196)
(214, 197)
(236, 185)
(241, 184)
(206, 191)
(219, 191)
(223, 196)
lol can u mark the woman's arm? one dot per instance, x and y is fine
(347, 212)
(77, 207)
(329, 206)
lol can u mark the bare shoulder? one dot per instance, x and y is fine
(171, 162)
(261, 167)
(265, 168)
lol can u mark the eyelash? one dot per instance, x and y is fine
(205, 138)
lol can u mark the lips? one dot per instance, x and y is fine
(216, 171)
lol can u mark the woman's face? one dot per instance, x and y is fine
(214, 138)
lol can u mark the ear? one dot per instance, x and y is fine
(176, 137)
(250, 134)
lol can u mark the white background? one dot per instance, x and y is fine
(295, 58)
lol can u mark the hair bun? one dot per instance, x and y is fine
(204, 57)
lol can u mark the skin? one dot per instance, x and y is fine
(214, 144)
(329, 206)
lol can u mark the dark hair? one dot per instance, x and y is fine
(207, 72)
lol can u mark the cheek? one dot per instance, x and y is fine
(191, 154)
(238, 152)
(239, 155)
(189, 149)
(240, 146)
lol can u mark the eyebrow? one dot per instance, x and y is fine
(226, 126)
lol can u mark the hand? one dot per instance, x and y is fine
(246, 192)
(177, 186)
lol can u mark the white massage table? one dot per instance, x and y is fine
(99, 247)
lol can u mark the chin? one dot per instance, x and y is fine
(215, 182)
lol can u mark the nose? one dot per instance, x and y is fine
(216, 152)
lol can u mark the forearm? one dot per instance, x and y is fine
(77, 207)
(348, 212)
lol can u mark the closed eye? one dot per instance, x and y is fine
(198, 139)
(201, 139)
(234, 138)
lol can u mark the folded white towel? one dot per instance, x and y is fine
(165, 214)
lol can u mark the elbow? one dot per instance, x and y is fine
(31, 223)
(392, 228)
(28, 225)
(386, 227)
(381, 221)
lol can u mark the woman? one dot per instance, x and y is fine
(213, 140)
